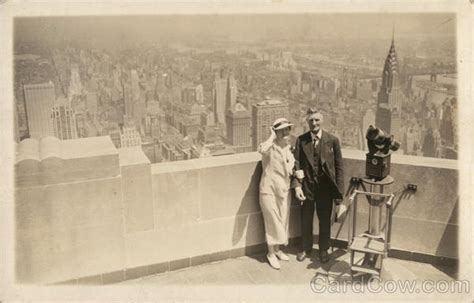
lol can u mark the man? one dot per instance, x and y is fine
(318, 183)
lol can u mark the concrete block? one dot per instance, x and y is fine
(101, 248)
(176, 198)
(137, 197)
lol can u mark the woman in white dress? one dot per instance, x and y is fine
(278, 163)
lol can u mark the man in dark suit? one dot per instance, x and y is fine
(318, 183)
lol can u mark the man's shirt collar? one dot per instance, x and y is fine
(317, 135)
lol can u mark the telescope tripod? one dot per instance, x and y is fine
(374, 243)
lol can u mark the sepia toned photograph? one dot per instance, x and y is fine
(310, 151)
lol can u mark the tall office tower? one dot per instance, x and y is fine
(134, 85)
(91, 101)
(390, 95)
(447, 121)
(64, 122)
(39, 100)
(199, 94)
(75, 85)
(263, 115)
(139, 111)
(238, 125)
(219, 91)
(231, 93)
(127, 99)
(188, 95)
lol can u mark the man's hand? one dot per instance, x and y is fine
(340, 210)
(299, 194)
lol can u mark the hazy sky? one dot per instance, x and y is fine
(342, 26)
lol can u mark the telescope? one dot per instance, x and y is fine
(381, 145)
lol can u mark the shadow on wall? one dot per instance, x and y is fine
(245, 222)
(447, 239)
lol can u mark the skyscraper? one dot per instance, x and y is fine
(219, 91)
(127, 99)
(75, 85)
(200, 94)
(91, 99)
(39, 100)
(263, 115)
(238, 128)
(231, 93)
(64, 122)
(188, 95)
(390, 95)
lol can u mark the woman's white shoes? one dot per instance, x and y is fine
(272, 259)
(282, 256)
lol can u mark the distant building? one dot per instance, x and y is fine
(429, 144)
(224, 94)
(170, 152)
(39, 100)
(207, 118)
(219, 91)
(127, 99)
(64, 122)
(130, 137)
(115, 136)
(75, 86)
(209, 134)
(193, 94)
(91, 99)
(151, 149)
(390, 95)
(263, 115)
(231, 93)
(134, 85)
(410, 142)
(199, 94)
(447, 123)
(238, 127)
(188, 95)
(139, 111)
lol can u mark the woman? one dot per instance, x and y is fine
(277, 162)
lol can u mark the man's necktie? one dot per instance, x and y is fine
(315, 142)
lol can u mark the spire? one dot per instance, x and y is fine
(393, 34)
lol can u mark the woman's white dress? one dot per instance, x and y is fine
(275, 199)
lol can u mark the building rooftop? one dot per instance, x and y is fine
(46, 147)
(255, 270)
(269, 102)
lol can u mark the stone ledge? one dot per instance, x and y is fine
(348, 154)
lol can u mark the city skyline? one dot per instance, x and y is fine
(169, 82)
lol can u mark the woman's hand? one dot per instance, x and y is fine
(272, 134)
(299, 194)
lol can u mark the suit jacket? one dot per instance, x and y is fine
(331, 161)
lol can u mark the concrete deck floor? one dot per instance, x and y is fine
(255, 270)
